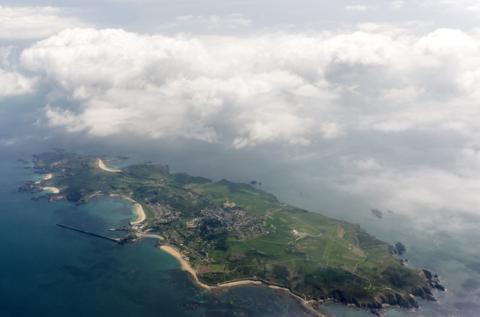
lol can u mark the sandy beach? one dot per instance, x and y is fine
(101, 165)
(51, 189)
(185, 266)
(239, 283)
(138, 209)
(188, 268)
(151, 235)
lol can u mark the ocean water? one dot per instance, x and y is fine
(49, 271)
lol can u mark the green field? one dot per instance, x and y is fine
(307, 252)
(232, 231)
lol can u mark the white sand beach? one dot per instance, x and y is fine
(51, 189)
(138, 209)
(185, 266)
(101, 165)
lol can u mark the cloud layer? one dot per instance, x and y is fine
(380, 92)
(251, 90)
(245, 91)
(28, 23)
(12, 82)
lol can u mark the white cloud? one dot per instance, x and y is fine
(208, 88)
(251, 90)
(357, 7)
(471, 6)
(363, 165)
(13, 83)
(364, 89)
(397, 4)
(28, 23)
(415, 191)
(211, 22)
(426, 192)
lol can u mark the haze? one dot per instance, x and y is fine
(339, 107)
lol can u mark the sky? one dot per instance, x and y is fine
(368, 104)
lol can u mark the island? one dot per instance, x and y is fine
(228, 234)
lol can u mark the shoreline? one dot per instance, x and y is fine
(137, 208)
(185, 266)
(101, 165)
(179, 246)
(51, 189)
(141, 217)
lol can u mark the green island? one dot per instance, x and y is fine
(227, 234)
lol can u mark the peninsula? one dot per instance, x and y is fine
(228, 234)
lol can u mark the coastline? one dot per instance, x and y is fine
(185, 266)
(189, 262)
(101, 165)
(51, 189)
(138, 209)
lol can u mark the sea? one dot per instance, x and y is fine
(49, 271)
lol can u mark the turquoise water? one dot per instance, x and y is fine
(49, 271)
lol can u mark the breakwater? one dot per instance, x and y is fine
(116, 240)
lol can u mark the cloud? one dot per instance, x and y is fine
(13, 83)
(210, 22)
(29, 23)
(290, 88)
(471, 6)
(397, 4)
(207, 88)
(357, 7)
(395, 107)
(417, 191)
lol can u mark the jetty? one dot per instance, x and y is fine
(116, 240)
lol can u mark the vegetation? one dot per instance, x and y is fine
(232, 231)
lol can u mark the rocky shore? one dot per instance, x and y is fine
(377, 305)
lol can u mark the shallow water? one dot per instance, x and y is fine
(49, 271)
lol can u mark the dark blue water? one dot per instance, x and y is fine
(49, 271)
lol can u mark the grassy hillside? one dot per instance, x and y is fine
(307, 252)
(233, 231)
